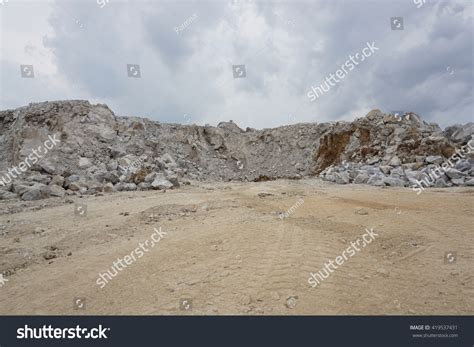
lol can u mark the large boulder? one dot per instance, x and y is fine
(36, 192)
(6, 195)
(341, 178)
(393, 181)
(376, 180)
(70, 179)
(78, 186)
(161, 183)
(441, 183)
(49, 165)
(44, 179)
(455, 174)
(55, 190)
(361, 178)
(469, 182)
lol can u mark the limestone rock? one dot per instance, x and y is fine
(84, 163)
(455, 174)
(57, 180)
(434, 159)
(6, 195)
(161, 183)
(376, 180)
(361, 178)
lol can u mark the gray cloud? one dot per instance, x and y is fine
(81, 51)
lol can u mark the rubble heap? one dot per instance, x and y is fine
(98, 151)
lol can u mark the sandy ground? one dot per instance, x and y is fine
(226, 251)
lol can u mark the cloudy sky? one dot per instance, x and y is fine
(186, 51)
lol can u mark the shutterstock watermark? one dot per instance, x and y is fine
(134, 165)
(440, 170)
(48, 332)
(187, 23)
(318, 277)
(131, 258)
(3, 280)
(341, 73)
(291, 209)
(102, 3)
(419, 3)
(30, 160)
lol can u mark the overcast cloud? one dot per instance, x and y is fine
(80, 51)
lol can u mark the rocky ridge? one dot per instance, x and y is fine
(100, 152)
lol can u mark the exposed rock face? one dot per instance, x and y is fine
(396, 151)
(384, 139)
(100, 152)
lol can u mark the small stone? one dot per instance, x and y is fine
(75, 186)
(57, 180)
(70, 179)
(361, 211)
(38, 230)
(84, 163)
(49, 255)
(291, 301)
(372, 161)
(246, 300)
(434, 159)
(108, 187)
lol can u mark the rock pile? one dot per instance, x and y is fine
(384, 150)
(427, 173)
(101, 152)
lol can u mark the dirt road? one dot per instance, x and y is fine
(226, 251)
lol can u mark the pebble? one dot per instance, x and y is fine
(291, 301)
(361, 212)
(49, 255)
